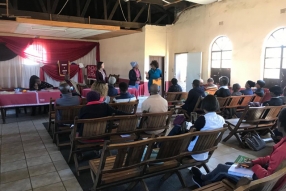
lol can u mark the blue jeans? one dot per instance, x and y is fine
(136, 86)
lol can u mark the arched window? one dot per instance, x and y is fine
(221, 53)
(275, 59)
(36, 53)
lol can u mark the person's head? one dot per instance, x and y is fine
(92, 96)
(154, 64)
(100, 65)
(154, 89)
(210, 104)
(67, 76)
(201, 82)
(196, 83)
(223, 81)
(111, 80)
(249, 84)
(33, 80)
(101, 88)
(282, 121)
(65, 88)
(236, 87)
(210, 81)
(123, 87)
(275, 91)
(174, 81)
(260, 84)
(134, 65)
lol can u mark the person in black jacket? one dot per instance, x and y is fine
(175, 87)
(275, 100)
(259, 85)
(96, 109)
(134, 76)
(223, 91)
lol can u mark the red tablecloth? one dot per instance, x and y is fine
(130, 90)
(44, 96)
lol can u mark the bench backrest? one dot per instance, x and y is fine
(127, 107)
(172, 96)
(66, 114)
(245, 99)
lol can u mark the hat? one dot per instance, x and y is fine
(261, 83)
(276, 90)
(111, 80)
(133, 64)
(92, 96)
(251, 83)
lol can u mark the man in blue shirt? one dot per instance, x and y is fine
(66, 98)
(259, 85)
(124, 96)
(248, 91)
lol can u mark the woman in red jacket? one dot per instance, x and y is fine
(262, 167)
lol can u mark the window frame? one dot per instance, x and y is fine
(221, 52)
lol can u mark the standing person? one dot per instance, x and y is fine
(175, 87)
(134, 76)
(100, 73)
(154, 73)
(37, 84)
(223, 90)
(193, 96)
(248, 85)
(259, 85)
(111, 89)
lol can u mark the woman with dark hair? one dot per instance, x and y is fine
(134, 76)
(175, 87)
(36, 84)
(248, 85)
(100, 73)
(154, 73)
(262, 167)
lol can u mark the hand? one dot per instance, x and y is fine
(245, 165)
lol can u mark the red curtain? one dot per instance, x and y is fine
(50, 51)
(53, 71)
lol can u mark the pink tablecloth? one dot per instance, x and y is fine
(130, 90)
(44, 96)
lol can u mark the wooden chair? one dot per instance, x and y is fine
(222, 101)
(155, 122)
(127, 107)
(184, 96)
(51, 113)
(245, 100)
(172, 98)
(64, 118)
(197, 109)
(256, 98)
(253, 119)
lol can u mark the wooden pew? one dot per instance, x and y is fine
(127, 107)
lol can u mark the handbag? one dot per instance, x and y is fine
(253, 141)
(179, 120)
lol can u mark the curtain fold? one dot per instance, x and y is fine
(6, 53)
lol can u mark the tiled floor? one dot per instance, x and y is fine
(30, 161)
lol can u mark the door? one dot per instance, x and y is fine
(161, 62)
(194, 68)
(181, 62)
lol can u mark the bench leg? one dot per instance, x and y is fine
(144, 185)
(166, 176)
(206, 168)
(131, 185)
(181, 179)
(3, 114)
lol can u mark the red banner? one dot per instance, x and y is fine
(64, 68)
(91, 72)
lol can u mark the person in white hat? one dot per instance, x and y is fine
(134, 76)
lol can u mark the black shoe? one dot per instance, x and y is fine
(198, 181)
(196, 172)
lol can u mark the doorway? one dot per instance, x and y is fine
(161, 62)
(181, 62)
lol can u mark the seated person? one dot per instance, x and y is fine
(284, 95)
(259, 85)
(73, 84)
(262, 167)
(248, 85)
(275, 100)
(223, 90)
(202, 85)
(102, 89)
(236, 88)
(66, 97)
(124, 96)
(37, 84)
(175, 87)
(111, 89)
(155, 103)
(211, 84)
(96, 108)
(193, 96)
(209, 121)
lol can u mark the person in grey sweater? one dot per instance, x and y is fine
(66, 98)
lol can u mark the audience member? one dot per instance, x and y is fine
(155, 103)
(275, 100)
(262, 167)
(193, 96)
(211, 84)
(72, 84)
(102, 89)
(259, 85)
(111, 89)
(124, 96)
(236, 88)
(37, 84)
(248, 85)
(202, 85)
(66, 98)
(175, 87)
(223, 90)
(100, 73)
(284, 95)
(134, 76)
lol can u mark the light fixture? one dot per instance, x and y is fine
(49, 29)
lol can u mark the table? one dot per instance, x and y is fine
(30, 98)
(133, 91)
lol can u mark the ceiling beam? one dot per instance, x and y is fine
(172, 4)
(49, 6)
(55, 6)
(158, 2)
(160, 19)
(105, 9)
(85, 8)
(139, 13)
(43, 6)
(149, 14)
(129, 12)
(77, 8)
(113, 10)
(15, 4)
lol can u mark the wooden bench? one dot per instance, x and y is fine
(127, 107)
(51, 113)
